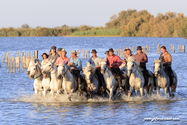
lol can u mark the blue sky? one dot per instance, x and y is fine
(52, 13)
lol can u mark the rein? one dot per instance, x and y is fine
(161, 69)
(50, 70)
(39, 75)
(65, 72)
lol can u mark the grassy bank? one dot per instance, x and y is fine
(12, 32)
(97, 33)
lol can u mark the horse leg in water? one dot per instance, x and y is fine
(71, 93)
(147, 90)
(151, 91)
(165, 89)
(111, 94)
(170, 92)
(36, 92)
(157, 89)
(52, 93)
(131, 91)
(44, 92)
(40, 93)
(141, 92)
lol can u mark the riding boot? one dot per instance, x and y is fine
(145, 74)
(127, 86)
(172, 81)
(146, 81)
(79, 84)
(119, 83)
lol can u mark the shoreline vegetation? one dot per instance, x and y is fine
(129, 23)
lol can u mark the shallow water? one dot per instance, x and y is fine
(20, 106)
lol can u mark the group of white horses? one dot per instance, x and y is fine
(52, 79)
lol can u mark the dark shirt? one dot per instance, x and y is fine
(142, 58)
(53, 58)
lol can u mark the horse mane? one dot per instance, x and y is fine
(159, 61)
(89, 66)
(131, 59)
(38, 62)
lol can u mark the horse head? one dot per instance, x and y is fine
(48, 67)
(61, 70)
(89, 72)
(158, 66)
(131, 65)
(32, 70)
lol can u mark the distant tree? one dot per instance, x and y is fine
(25, 26)
(64, 26)
(84, 27)
(38, 27)
(113, 17)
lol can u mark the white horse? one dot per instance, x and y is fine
(69, 84)
(46, 82)
(54, 84)
(111, 83)
(91, 80)
(136, 79)
(34, 72)
(162, 80)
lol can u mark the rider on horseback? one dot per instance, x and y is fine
(127, 53)
(166, 60)
(114, 62)
(141, 57)
(94, 61)
(75, 68)
(53, 55)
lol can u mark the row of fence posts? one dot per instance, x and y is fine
(120, 53)
(14, 62)
(181, 48)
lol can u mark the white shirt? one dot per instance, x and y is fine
(94, 62)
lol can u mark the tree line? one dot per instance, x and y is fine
(127, 23)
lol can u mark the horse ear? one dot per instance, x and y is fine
(154, 59)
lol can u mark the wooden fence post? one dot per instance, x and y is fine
(4, 58)
(79, 53)
(183, 48)
(83, 53)
(86, 53)
(36, 54)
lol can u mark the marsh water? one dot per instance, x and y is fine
(19, 105)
